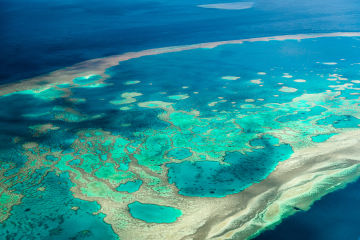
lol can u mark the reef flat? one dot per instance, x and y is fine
(98, 66)
(208, 141)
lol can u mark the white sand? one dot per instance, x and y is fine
(297, 182)
(99, 65)
(287, 89)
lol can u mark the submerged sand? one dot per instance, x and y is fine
(295, 184)
(99, 65)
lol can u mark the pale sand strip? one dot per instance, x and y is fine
(99, 65)
(305, 177)
(297, 182)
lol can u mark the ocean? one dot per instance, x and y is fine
(199, 137)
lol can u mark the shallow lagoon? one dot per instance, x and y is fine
(154, 213)
(169, 130)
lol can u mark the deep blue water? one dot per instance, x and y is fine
(335, 217)
(166, 73)
(37, 36)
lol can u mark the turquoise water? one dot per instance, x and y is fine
(212, 179)
(322, 137)
(130, 186)
(172, 128)
(41, 36)
(154, 213)
(47, 214)
(302, 115)
(343, 121)
(71, 161)
(179, 153)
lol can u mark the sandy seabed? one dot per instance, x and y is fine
(98, 66)
(295, 184)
